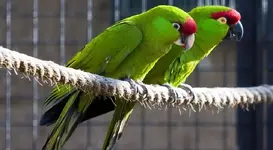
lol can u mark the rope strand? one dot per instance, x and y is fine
(151, 96)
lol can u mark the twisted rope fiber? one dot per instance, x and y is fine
(151, 96)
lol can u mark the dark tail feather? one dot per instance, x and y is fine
(101, 105)
(51, 115)
(68, 121)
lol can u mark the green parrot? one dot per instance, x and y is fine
(127, 50)
(214, 24)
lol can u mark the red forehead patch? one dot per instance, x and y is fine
(232, 16)
(189, 27)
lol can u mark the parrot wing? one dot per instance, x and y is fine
(105, 52)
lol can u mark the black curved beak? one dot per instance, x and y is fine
(235, 32)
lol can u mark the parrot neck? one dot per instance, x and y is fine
(199, 53)
(189, 60)
(202, 47)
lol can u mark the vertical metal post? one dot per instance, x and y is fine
(62, 32)
(116, 10)
(249, 73)
(8, 80)
(89, 37)
(35, 38)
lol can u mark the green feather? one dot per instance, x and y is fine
(89, 59)
(130, 48)
(175, 67)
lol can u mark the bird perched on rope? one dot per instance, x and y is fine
(214, 24)
(127, 50)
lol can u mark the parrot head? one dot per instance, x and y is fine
(231, 18)
(186, 31)
(172, 25)
(216, 23)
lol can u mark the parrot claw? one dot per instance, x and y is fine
(170, 88)
(189, 90)
(167, 85)
(132, 83)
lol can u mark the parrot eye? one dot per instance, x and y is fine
(176, 26)
(222, 20)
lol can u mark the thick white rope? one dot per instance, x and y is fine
(152, 96)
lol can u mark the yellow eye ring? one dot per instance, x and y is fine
(222, 20)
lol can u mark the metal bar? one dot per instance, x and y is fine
(8, 81)
(116, 10)
(196, 115)
(170, 2)
(215, 2)
(224, 125)
(200, 2)
(222, 2)
(35, 97)
(207, 2)
(89, 37)
(62, 32)
(232, 3)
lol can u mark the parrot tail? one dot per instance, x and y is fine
(68, 120)
(55, 103)
(119, 121)
(101, 105)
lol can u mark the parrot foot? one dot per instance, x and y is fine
(167, 85)
(189, 90)
(132, 83)
(171, 90)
